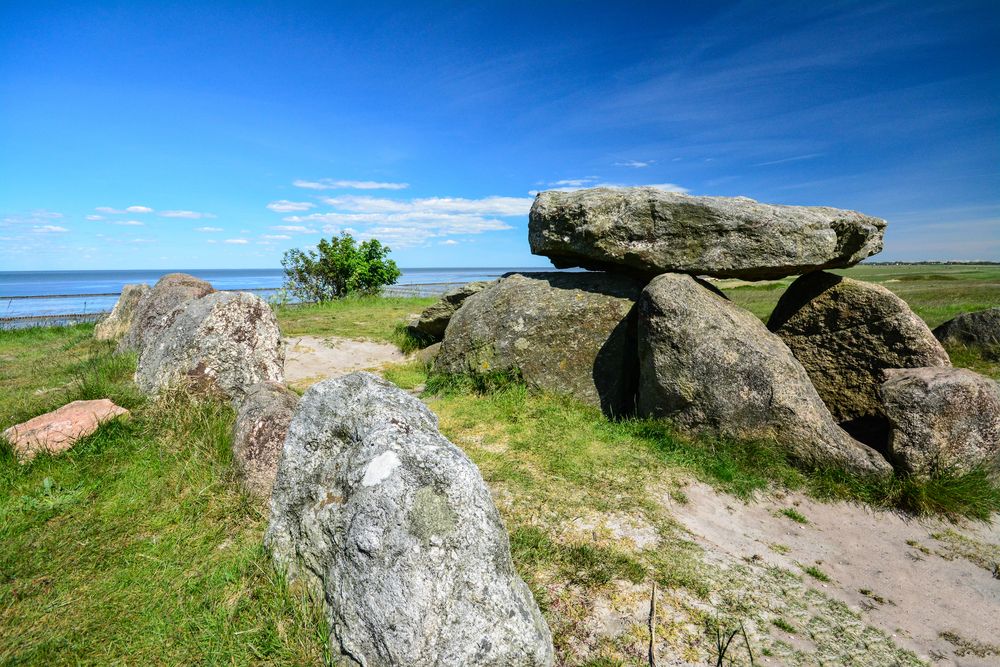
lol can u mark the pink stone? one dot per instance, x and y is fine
(56, 431)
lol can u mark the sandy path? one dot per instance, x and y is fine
(923, 581)
(309, 359)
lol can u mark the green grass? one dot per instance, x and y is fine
(783, 625)
(369, 317)
(135, 546)
(816, 573)
(794, 515)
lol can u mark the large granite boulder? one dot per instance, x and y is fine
(712, 367)
(979, 330)
(845, 333)
(259, 434)
(221, 344)
(156, 310)
(118, 322)
(434, 320)
(393, 526)
(942, 419)
(571, 333)
(648, 231)
(57, 431)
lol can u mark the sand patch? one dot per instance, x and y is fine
(309, 359)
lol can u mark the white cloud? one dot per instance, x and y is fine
(449, 242)
(107, 209)
(666, 187)
(208, 229)
(143, 241)
(635, 164)
(48, 229)
(285, 206)
(130, 209)
(295, 229)
(574, 182)
(138, 209)
(211, 241)
(331, 184)
(95, 217)
(276, 237)
(128, 223)
(237, 241)
(188, 215)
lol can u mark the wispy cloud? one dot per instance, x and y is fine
(796, 158)
(128, 209)
(95, 217)
(138, 209)
(332, 184)
(48, 229)
(208, 230)
(666, 187)
(237, 241)
(635, 164)
(187, 215)
(295, 229)
(128, 223)
(276, 237)
(285, 206)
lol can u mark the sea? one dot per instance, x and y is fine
(57, 297)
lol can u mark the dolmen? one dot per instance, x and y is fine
(642, 332)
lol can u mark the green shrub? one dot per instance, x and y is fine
(338, 267)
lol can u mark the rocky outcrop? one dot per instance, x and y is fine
(647, 231)
(221, 344)
(156, 310)
(393, 526)
(979, 330)
(710, 366)
(942, 419)
(846, 333)
(434, 320)
(259, 434)
(57, 431)
(572, 333)
(118, 322)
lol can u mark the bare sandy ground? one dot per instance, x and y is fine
(309, 359)
(933, 587)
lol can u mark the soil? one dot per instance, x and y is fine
(309, 359)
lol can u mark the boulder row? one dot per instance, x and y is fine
(221, 343)
(118, 322)
(979, 330)
(942, 419)
(431, 323)
(394, 527)
(713, 367)
(648, 231)
(259, 434)
(156, 310)
(845, 333)
(571, 333)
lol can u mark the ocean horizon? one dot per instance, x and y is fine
(26, 294)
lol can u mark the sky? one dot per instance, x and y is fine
(218, 135)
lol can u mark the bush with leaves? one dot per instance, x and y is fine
(337, 268)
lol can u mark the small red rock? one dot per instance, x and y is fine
(56, 431)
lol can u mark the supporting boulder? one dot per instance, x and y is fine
(570, 333)
(434, 320)
(394, 528)
(942, 419)
(712, 367)
(221, 344)
(156, 310)
(979, 330)
(259, 434)
(846, 333)
(118, 322)
(648, 231)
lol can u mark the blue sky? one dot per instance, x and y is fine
(218, 135)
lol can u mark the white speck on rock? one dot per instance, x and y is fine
(379, 468)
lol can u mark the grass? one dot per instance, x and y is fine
(816, 573)
(369, 317)
(782, 624)
(135, 546)
(794, 515)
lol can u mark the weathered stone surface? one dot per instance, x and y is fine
(259, 434)
(710, 366)
(57, 431)
(942, 419)
(572, 333)
(979, 330)
(846, 333)
(428, 354)
(649, 231)
(395, 528)
(221, 343)
(117, 323)
(157, 308)
(434, 320)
